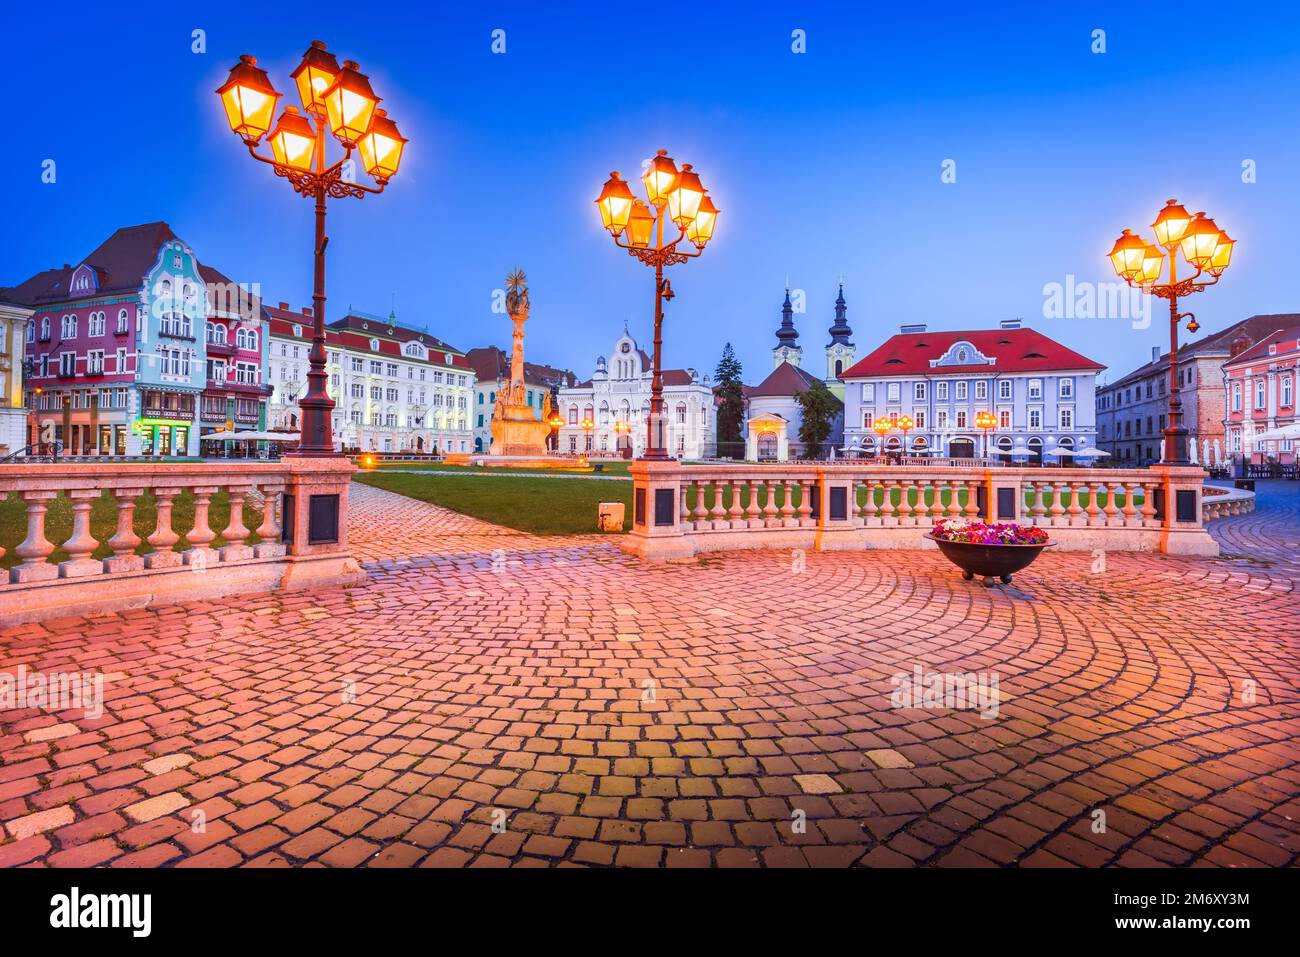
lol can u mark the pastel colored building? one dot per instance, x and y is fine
(617, 396)
(1040, 392)
(1261, 382)
(1132, 411)
(13, 411)
(395, 387)
(140, 349)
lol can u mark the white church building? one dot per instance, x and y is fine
(772, 411)
(615, 402)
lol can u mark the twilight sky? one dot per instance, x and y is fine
(822, 163)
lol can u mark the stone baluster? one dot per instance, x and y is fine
(736, 512)
(1096, 515)
(268, 532)
(125, 541)
(936, 503)
(972, 510)
(888, 511)
(235, 533)
(718, 514)
(35, 548)
(201, 535)
(870, 513)
(769, 504)
(1037, 509)
(1075, 511)
(684, 512)
(163, 538)
(1058, 509)
(1130, 510)
(905, 516)
(805, 502)
(81, 544)
(1149, 505)
(753, 516)
(699, 517)
(954, 499)
(787, 503)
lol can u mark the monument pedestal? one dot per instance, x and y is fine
(519, 432)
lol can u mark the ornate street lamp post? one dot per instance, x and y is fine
(882, 428)
(986, 422)
(587, 426)
(905, 425)
(1207, 249)
(341, 99)
(676, 195)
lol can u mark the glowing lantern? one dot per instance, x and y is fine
(381, 148)
(1153, 264)
(684, 199)
(1171, 222)
(293, 141)
(660, 177)
(615, 203)
(640, 225)
(249, 99)
(314, 76)
(1222, 255)
(350, 104)
(1200, 240)
(700, 231)
(1126, 255)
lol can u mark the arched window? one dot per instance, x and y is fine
(604, 413)
(121, 320)
(573, 415)
(681, 412)
(45, 327)
(839, 366)
(587, 412)
(216, 333)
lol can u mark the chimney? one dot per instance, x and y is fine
(910, 328)
(1155, 353)
(1011, 323)
(306, 311)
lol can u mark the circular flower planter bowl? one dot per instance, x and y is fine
(990, 561)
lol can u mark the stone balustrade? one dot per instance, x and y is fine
(301, 538)
(1222, 502)
(679, 510)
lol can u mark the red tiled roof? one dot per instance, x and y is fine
(1016, 350)
(120, 262)
(489, 363)
(338, 333)
(1284, 339)
(785, 379)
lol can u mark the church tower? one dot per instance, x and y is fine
(839, 351)
(787, 339)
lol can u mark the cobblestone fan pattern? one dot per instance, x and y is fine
(731, 713)
(1271, 533)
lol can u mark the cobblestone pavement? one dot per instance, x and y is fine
(1269, 534)
(731, 713)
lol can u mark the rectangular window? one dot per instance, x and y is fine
(893, 392)
(1004, 418)
(1066, 417)
(961, 418)
(1067, 388)
(1035, 388)
(868, 392)
(919, 416)
(918, 392)
(981, 389)
(941, 391)
(961, 390)
(1035, 418)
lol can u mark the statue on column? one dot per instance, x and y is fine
(516, 428)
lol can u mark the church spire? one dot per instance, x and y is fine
(839, 330)
(787, 347)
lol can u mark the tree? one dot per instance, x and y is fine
(818, 409)
(731, 411)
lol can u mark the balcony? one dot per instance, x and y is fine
(158, 412)
(220, 348)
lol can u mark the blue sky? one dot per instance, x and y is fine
(823, 163)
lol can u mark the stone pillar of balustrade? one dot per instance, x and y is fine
(236, 532)
(269, 531)
(198, 555)
(163, 538)
(81, 544)
(835, 514)
(35, 548)
(658, 511)
(125, 541)
(1182, 524)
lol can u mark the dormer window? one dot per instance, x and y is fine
(374, 345)
(297, 331)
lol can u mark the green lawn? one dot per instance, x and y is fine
(529, 503)
(103, 523)
(609, 468)
(560, 506)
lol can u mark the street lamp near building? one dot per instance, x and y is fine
(881, 427)
(587, 426)
(905, 425)
(986, 422)
(340, 100)
(1208, 250)
(678, 196)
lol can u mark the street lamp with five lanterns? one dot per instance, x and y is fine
(341, 100)
(1208, 250)
(678, 196)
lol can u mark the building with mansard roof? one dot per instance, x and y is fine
(395, 387)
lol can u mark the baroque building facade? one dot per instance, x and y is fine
(616, 400)
(1261, 382)
(140, 349)
(395, 388)
(1040, 392)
